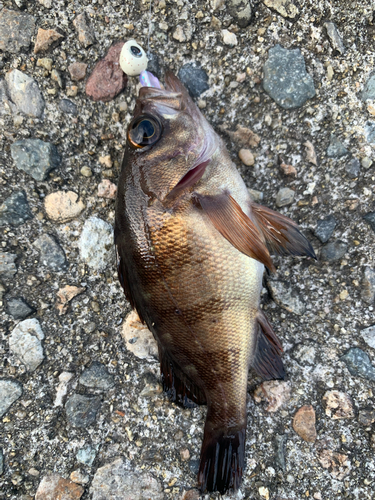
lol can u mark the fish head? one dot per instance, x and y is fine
(169, 142)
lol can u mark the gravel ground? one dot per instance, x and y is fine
(73, 397)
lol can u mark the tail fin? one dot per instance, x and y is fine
(222, 460)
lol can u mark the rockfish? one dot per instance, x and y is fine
(192, 246)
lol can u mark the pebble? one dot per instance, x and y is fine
(304, 423)
(35, 157)
(46, 3)
(257, 196)
(336, 149)
(191, 495)
(194, 77)
(288, 169)
(369, 89)
(67, 106)
(1, 462)
(106, 161)
(352, 168)
(85, 32)
(368, 335)
(284, 295)
(97, 377)
(77, 71)
(286, 8)
(358, 363)
(247, 157)
(285, 196)
(274, 392)
(78, 477)
(285, 78)
(51, 253)
(45, 62)
(337, 463)
(7, 264)
(241, 12)
(6, 105)
(86, 455)
(24, 93)
(65, 379)
(62, 206)
(179, 34)
(370, 132)
(16, 31)
(81, 410)
(334, 37)
(18, 308)
(86, 171)
(55, 487)
(46, 38)
(338, 405)
(25, 342)
(244, 137)
(366, 416)
(56, 77)
(280, 447)
(106, 189)
(138, 338)
(229, 38)
(96, 245)
(107, 79)
(10, 391)
(72, 91)
(15, 210)
(65, 295)
(334, 250)
(325, 227)
(114, 481)
(310, 153)
(366, 163)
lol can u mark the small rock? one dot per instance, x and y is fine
(15, 210)
(334, 37)
(106, 161)
(179, 34)
(56, 77)
(96, 243)
(288, 169)
(304, 423)
(62, 389)
(191, 495)
(370, 218)
(337, 463)
(81, 410)
(7, 265)
(10, 391)
(55, 487)
(45, 62)
(280, 446)
(256, 195)
(358, 363)
(86, 455)
(115, 481)
(285, 78)
(366, 163)
(65, 295)
(229, 38)
(68, 106)
(85, 33)
(325, 227)
(46, 3)
(284, 7)
(366, 416)
(185, 454)
(369, 89)
(72, 91)
(6, 105)
(77, 71)
(24, 93)
(25, 342)
(334, 250)
(247, 157)
(310, 153)
(336, 149)
(274, 392)
(35, 157)
(241, 12)
(106, 189)
(368, 335)
(1, 461)
(19, 309)
(78, 477)
(283, 294)
(338, 405)
(62, 206)
(352, 168)
(370, 132)
(97, 377)
(244, 137)
(195, 79)
(51, 253)
(138, 338)
(107, 79)
(46, 38)
(284, 197)
(16, 30)
(86, 171)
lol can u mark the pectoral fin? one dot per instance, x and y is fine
(229, 219)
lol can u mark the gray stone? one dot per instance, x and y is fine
(97, 377)
(285, 78)
(368, 335)
(51, 253)
(81, 410)
(19, 309)
(366, 163)
(16, 30)
(325, 227)
(336, 149)
(86, 455)
(334, 37)
(284, 197)
(280, 447)
(366, 416)
(117, 481)
(368, 286)
(7, 264)
(6, 105)
(35, 157)
(1, 462)
(85, 32)
(195, 79)
(15, 210)
(358, 363)
(334, 250)
(96, 243)
(369, 89)
(284, 7)
(10, 391)
(68, 107)
(370, 132)
(283, 294)
(240, 10)
(25, 342)
(370, 218)
(352, 168)
(25, 94)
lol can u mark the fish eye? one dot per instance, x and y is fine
(144, 131)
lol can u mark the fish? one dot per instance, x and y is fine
(192, 248)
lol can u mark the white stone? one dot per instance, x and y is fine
(62, 388)
(138, 338)
(24, 92)
(96, 244)
(229, 38)
(368, 335)
(10, 391)
(25, 343)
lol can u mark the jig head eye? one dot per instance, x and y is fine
(133, 59)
